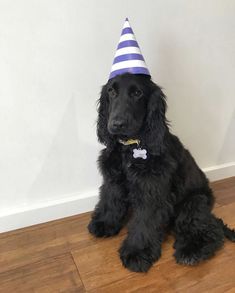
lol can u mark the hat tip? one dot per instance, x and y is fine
(126, 19)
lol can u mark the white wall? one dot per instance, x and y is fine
(54, 57)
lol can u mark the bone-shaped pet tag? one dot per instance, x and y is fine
(140, 153)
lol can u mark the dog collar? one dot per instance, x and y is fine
(137, 152)
(129, 141)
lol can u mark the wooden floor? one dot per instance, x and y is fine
(61, 256)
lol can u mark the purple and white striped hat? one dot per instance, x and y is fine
(128, 57)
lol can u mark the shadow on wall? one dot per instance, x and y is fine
(227, 151)
(70, 165)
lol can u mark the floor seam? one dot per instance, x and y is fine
(78, 271)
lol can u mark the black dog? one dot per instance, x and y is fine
(163, 189)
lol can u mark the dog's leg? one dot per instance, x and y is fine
(142, 247)
(111, 211)
(198, 233)
(146, 229)
(109, 215)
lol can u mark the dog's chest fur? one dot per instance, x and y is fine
(137, 167)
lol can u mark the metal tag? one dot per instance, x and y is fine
(140, 153)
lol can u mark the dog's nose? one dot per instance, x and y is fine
(118, 124)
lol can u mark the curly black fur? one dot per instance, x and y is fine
(165, 191)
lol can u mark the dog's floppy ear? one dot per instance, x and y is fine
(102, 130)
(156, 123)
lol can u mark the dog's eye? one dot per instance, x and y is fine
(137, 93)
(112, 93)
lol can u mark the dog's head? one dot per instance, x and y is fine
(132, 106)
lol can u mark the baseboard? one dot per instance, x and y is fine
(76, 204)
(47, 211)
(220, 171)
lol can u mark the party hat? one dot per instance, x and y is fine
(128, 57)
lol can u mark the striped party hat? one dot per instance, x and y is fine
(128, 57)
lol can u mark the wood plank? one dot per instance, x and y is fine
(34, 243)
(224, 183)
(57, 274)
(99, 264)
(224, 190)
(227, 214)
(151, 282)
(31, 245)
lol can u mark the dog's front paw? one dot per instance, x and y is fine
(185, 258)
(137, 260)
(191, 255)
(102, 229)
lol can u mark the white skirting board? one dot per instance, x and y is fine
(48, 211)
(77, 204)
(220, 171)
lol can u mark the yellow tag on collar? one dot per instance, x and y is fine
(129, 141)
